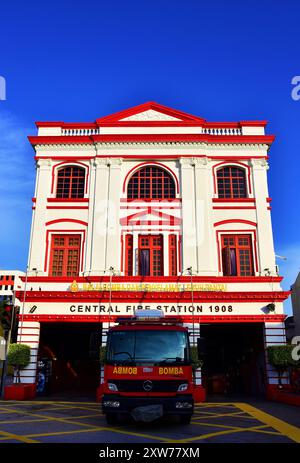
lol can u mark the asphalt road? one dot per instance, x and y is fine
(79, 422)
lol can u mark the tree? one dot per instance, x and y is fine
(19, 357)
(280, 357)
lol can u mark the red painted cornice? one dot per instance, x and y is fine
(151, 138)
(165, 279)
(87, 297)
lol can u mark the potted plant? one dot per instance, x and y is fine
(280, 357)
(18, 356)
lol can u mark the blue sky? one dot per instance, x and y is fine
(222, 60)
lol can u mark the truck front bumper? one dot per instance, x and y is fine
(180, 405)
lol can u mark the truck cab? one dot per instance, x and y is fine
(148, 372)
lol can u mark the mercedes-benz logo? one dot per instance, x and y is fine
(147, 386)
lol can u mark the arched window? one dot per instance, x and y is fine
(231, 182)
(151, 182)
(70, 182)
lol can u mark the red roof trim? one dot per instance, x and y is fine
(145, 107)
(72, 140)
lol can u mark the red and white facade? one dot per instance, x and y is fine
(127, 207)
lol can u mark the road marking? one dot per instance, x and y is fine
(234, 427)
(219, 433)
(72, 422)
(284, 428)
(9, 435)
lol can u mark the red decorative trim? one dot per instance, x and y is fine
(70, 162)
(232, 207)
(33, 200)
(164, 279)
(268, 200)
(115, 118)
(155, 297)
(66, 200)
(67, 207)
(253, 123)
(230, 162)
(151, 138)
(223, 222)
(81, 222)
(233, 200)
(143, 164)
(185, 318)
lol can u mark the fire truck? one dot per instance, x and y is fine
(147, 369)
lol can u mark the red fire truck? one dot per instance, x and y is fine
(148, 372)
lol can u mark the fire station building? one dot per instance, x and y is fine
(148, 208)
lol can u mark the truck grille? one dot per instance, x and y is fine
(157, 386)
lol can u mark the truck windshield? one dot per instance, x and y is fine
(149, 347)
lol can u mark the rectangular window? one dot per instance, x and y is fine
(172, 255)
(128, 255)
(65, 255)
(150, 255)
(237, 256)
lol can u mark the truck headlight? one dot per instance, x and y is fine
(112, 387)
(183, 387)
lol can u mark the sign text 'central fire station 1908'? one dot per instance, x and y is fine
(167, 309)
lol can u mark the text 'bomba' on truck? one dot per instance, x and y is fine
(147, 369)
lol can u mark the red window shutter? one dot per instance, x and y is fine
(129, 255)
(172, 255)
(226, 261)
(65, 255)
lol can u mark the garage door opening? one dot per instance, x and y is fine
(234, 362)
(69, 358)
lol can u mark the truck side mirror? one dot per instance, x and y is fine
(200, 347)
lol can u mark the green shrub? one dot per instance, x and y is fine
(280, 357)
(19, 357)
(195, 360)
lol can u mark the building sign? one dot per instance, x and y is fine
(148, 287)
(123, 308)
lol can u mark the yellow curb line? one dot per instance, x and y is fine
(284, 428)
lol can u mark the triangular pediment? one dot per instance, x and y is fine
(152, 113)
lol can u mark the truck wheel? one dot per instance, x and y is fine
(111, 418)
(185, 419)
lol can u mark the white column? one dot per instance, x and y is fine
(189, 249)
(113, 240)
(264, 225)
(29, 334)
(38, 232)
(206, 244)
(98, 211)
